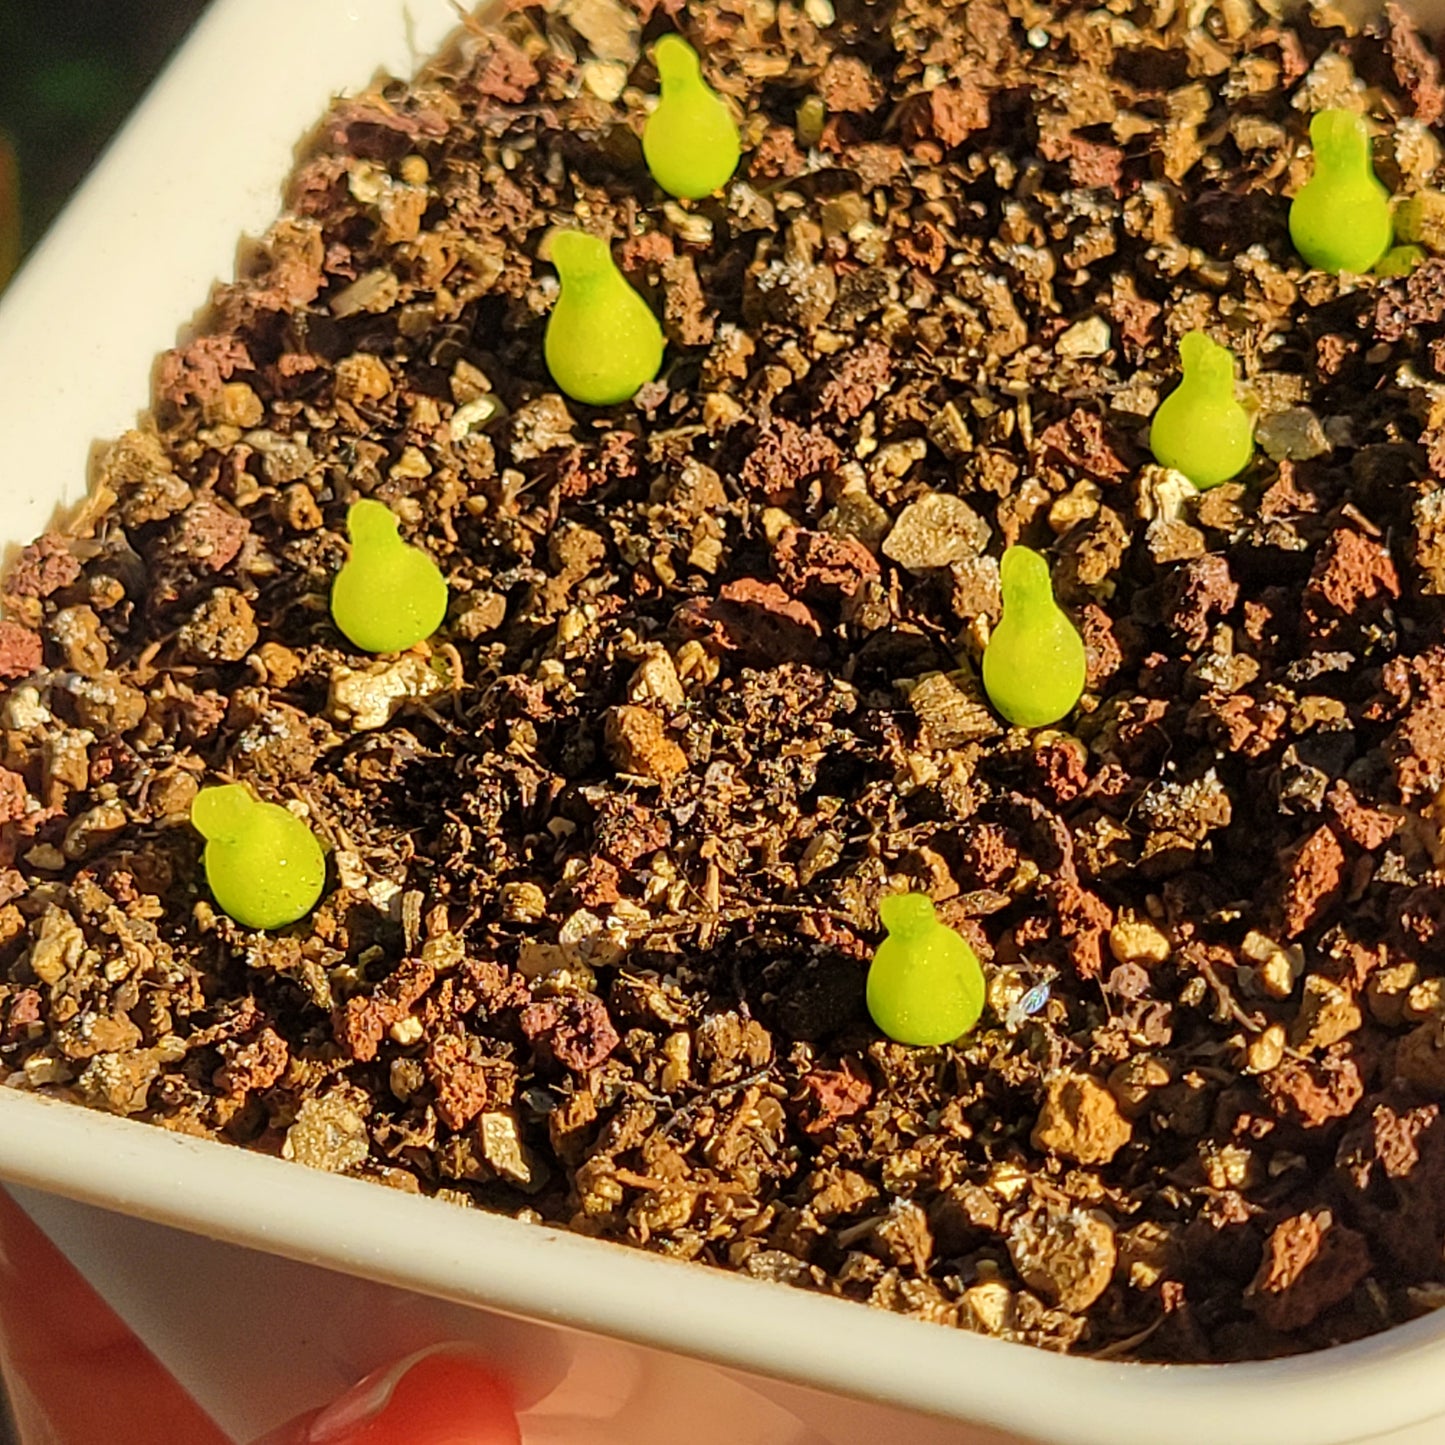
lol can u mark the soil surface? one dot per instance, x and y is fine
(606, 855)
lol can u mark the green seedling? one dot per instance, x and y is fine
(1400, 261)
(925, 984)
(264, 865)
(1034, 665)
(389, 595)
(1200, 428)
(690, 141)
(603, 342)
(1340, 220)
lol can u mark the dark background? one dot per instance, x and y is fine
(70, 70)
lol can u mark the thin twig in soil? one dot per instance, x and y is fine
(1222, 992)
(691, 1186)
(1128, 1344)
(693, 1105)
(683, 922)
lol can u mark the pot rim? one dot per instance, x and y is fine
(1348, 1393)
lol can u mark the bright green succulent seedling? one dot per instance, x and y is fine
(1340, 220)
(1200, 428)
(603, 342)
(389, 595)
(1034, 665)
(690, 141)
(263, 864)
(925, 984)
(1400, 261)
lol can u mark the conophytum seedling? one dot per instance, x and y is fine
(1200, 428)
(1340, 219)
(388, 595)
(690, 142)
(1400, 260)
(264, 866)
(602, 341)
(925, 984)
(1034, 665)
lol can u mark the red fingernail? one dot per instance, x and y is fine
(445, 1393)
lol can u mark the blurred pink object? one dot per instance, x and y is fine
(443, 1396)
(75, 1373)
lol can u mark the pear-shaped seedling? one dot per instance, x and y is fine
(1034, 665)
(690, 141)
(1200, 428)
(925, 984)
(264, 865)
(1340, 220)
(603, 342)
(389, 595)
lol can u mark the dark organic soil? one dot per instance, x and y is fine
(606, 855)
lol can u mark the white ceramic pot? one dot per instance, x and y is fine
(135, 254)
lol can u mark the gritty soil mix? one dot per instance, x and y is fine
(606, 855)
